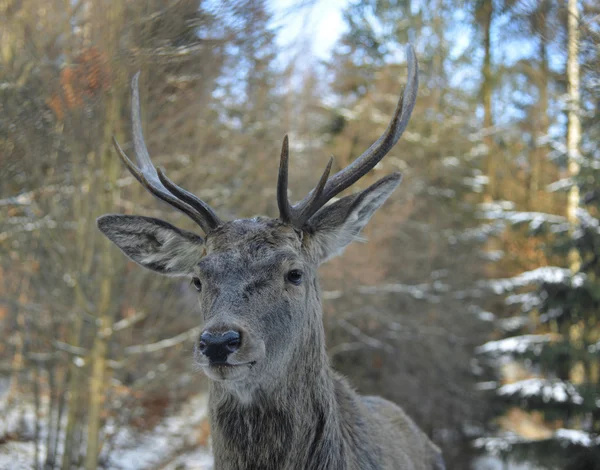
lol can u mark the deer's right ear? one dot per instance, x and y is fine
(335, 226)
(153, 243)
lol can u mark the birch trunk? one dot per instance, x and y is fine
(574, 124)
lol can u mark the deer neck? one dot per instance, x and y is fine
(293, 424)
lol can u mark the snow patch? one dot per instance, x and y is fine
(17, 455)
(168, 438)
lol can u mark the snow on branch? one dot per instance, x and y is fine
(548, 390)
(515, 345)
(535, 219)
(26, 199)
(45, 222)
(420, 291)
(502, 444)
(563, 184)
(577, 437)
(587, 221)
(513, 323)
(528, 300)
(482, 314)
(499, 444)
(551, 314)
(476, 183)
(477, 234)
(496, 206)
(543, 275)
(20, 200)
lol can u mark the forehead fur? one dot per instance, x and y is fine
(258, 237)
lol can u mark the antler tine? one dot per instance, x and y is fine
(156, 182)
(290, 214)
(373, 155)
(285, 210)
(191, 199)
(156, 191)
(313, 200)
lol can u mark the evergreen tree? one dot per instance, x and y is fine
(547, 360)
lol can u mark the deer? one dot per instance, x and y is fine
(275, 403)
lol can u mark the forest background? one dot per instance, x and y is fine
(474, 304)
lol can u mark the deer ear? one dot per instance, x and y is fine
(331, 229)
(153, 243)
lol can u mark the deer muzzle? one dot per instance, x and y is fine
(218, 346)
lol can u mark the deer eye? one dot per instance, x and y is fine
(294, 276)
(197, 283)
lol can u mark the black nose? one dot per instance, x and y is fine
(219, 345)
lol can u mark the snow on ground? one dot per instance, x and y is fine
(174, 435)
(194, 460)
(172, 444)
(16, 456)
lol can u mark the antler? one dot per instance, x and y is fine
(155, 181)
(298, 214)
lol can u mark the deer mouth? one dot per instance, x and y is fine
(226, 365)
(226, 371)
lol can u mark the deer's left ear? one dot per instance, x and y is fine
(331, 229)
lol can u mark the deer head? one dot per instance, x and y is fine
(256, 278)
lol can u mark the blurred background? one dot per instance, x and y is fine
(475, 302)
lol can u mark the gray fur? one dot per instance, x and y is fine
(281, 407)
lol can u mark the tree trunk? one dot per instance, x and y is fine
(105, 311)
(18, 360)
(487, 10)
(538, 169)
(574, 124)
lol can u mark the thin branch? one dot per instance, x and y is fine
(363, 337)
(69, 348)
(127, 322)
(163, 344)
